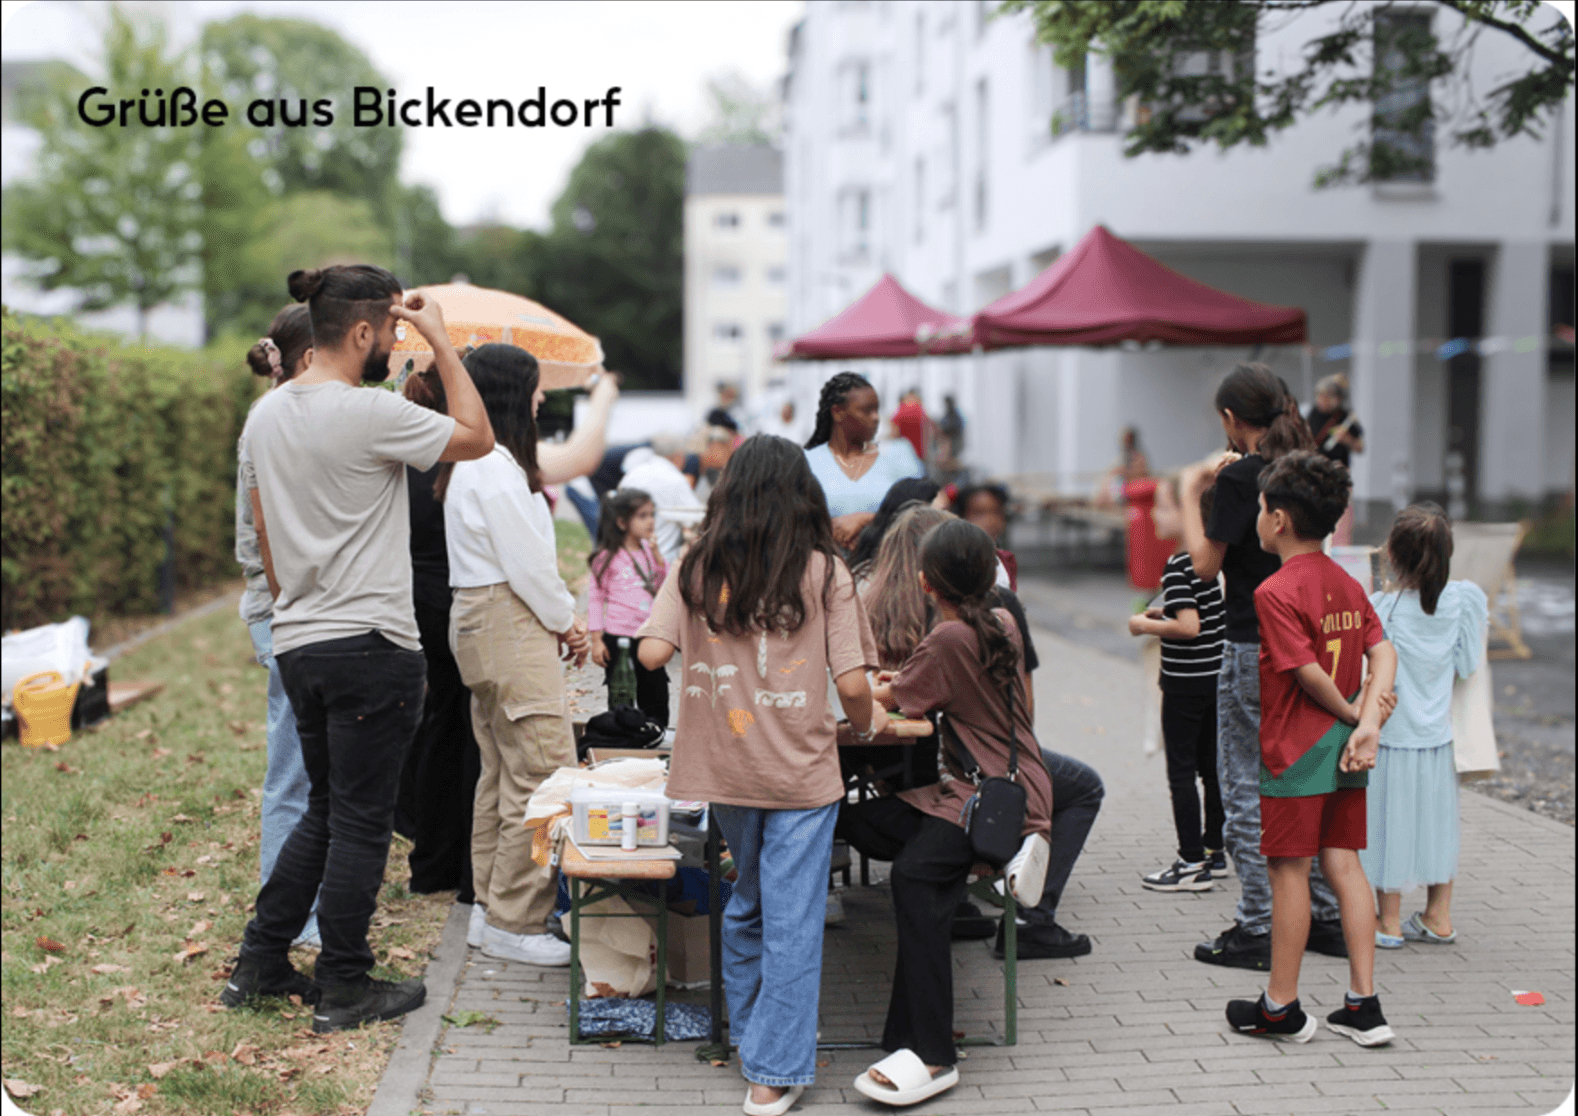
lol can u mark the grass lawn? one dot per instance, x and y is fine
(130, 865)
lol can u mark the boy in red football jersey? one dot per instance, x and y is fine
(1318, 740)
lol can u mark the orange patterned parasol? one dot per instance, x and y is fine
(566, 354)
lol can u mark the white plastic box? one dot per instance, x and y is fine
(596, 815)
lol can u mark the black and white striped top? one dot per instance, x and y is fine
(1191, 665)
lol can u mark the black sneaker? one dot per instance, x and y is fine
(1362, 1022)
(1326, 937)
(1182, 876)
(1038, 942)
(1249, 1017)
(250, 981)
(344, 1006)
(970, 925)
(1216, 860)
(1236, 948)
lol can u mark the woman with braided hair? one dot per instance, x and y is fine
(855, 472)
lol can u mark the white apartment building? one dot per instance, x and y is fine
(930, 139)
(736, 270)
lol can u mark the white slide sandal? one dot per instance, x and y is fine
(776, 1108)
(912, 1082)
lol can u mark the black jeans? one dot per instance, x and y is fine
(651, 685)
(439, 783)
(1189, 733)
(1077, 792)
(931, 866)
(357, 702)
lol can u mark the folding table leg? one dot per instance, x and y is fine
(1010, 969)
(575, 960)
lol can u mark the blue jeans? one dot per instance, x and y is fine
(285, 783)
(1238, 773)
(1077, 792)
(772, 937)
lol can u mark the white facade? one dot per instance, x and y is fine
(920, 141)
(736, 271)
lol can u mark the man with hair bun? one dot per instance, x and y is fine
(333, 525)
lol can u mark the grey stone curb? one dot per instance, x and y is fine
(410, 1062)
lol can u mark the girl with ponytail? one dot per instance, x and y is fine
(969, 668)
(1262, 422)
(854, 470)
(279, 355)
(1438, 628)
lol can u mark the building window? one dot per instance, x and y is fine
(1402, 128)
(776, 219)
(1043, 99)
(727, 221)
(775, 332)
(728, 333)
(983, 130)
(854, 78)
(1072, 113)
(948, 172)
(920, 200)
(854, 223)
(777, 274)
(726, 275)
(920, 52)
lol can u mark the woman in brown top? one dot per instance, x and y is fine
(762, 610)
(964, 668)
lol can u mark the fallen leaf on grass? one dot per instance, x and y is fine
(146, 1090)
(189, 951)
(65, 767)
(246, 1053)
(143, 735)
(20, 1089)
(161, 753)
(196, 757)
(182, 819)
(164, 839)
(134, 998)
(49, 945)
(215, 1056)
(194, 896)
(43, 966)
(110, 969)
(20, 1012)
(402, 954)
(198, 928)
(158, 1069)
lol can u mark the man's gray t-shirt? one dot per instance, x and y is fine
(330, 466)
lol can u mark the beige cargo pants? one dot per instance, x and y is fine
(511, 664)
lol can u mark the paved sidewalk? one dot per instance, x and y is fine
(1134, 1028)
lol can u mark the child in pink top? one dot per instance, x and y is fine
(627, 571)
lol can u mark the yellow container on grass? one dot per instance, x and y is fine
(43, 705)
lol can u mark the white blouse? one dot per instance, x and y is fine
(499, 530)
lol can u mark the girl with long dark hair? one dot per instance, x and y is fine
(762, 610)
(1438, 628)
(969, 668)
(853, 468)
(511, 622)
(1262, 422)
(627, 571)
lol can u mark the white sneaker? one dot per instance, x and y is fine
(835, 910)
(534, 949)
(479, 919)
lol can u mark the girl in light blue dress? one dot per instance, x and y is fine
(1438, 628)
(853, 468)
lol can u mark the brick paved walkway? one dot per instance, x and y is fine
(1137, 1027)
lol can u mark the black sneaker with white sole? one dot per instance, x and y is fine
(1216, 860)
(250, 980)
(1182, 876)
(1362, 1022)
(1236, 948)
(1249, 1017)
(344, 1006)
(1326, 937)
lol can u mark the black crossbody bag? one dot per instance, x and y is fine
(995, 816)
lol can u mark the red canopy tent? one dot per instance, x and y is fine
(887, 321)
(1106, 290)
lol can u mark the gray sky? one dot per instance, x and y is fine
(659, 53)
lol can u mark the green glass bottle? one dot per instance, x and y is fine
(622, 683)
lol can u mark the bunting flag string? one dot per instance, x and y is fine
(1444, 350)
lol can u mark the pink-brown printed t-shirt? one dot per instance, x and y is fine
(755, 727)
(945, 673)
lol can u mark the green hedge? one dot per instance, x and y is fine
(102, 443)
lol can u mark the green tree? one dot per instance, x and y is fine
(1379, 54)
(613, 262)
(112, 212)
(739, 113)
(248, 57)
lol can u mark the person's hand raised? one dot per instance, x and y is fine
(423, 313)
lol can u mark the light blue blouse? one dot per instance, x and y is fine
(896, 460)
(1430, 650)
